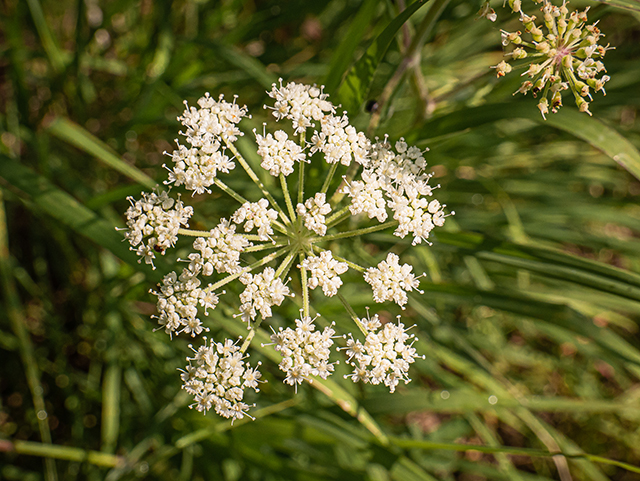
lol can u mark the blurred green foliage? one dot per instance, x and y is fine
(529, 319)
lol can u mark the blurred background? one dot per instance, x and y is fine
(529, 320)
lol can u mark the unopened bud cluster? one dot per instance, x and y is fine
(562, 53)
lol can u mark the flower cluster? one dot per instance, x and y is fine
(305, 351)
(217, 378)
(256, 246)
(391, 281)
(156, 219)
(566, 57)
(324, 271)
(385, 356)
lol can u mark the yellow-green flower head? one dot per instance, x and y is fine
(563, 52)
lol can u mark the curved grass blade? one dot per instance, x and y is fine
(633, 5)
(42, 195)
(342, 57)
(589, 129)
(356, 84)
(72, 133)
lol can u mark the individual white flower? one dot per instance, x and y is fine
(279, 154)
(217, 377)
(302, 104)
(263, 291)
(385, 356)
(324, 271)
(258, 215)
(391, 281)
(304, 350)
(156, 218)
(313, 212)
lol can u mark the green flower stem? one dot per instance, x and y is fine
(327, 181)
(250, 336)
(16, 318)
(351, 173)
(66, 453)
(352, 314)
(206, 233)
(267, 245)
(261, 262)
(228, 190)
(287, 197)
(353, 265)
(301, 170)
(353, 233)
(286, 264)
(305, 288)
(257, 181)
(338, 217)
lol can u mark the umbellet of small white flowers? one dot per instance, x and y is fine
(380, 186)
(562, 53)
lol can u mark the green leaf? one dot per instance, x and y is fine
(343, 56)
(633, 5)
(72, 133)
(356, 84)
(43, 195)
(589, 129)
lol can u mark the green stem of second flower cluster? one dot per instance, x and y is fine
(305, 288)
(353, 265)
(261, 262)
(287, 197)
(327, 181)
(301, 170)
(268, 245)
(241, 160)
(338, 216)
(286, 264)
(229, 191)
(352, 314)
(206, 233)
(250, 336)
(353, 233)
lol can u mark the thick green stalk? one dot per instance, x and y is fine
(305, 288)
(358, 232)
(287, 197)
(14, 312)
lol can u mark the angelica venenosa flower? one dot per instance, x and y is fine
(217, 378)
(366, 187)
(385, 356)
(324, 271)
(566, 57)
(155, 218)
(391, 281)
(305, 351)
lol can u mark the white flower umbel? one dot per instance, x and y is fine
(565, 57)
(367, 187)
(305, 351)
(391, 281)
(385, 356)
(217, 378)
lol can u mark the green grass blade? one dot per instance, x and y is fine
(65, 453)
(72, 133)
(47, 198)
(356, 84)
(111, 408)
(342, 57)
